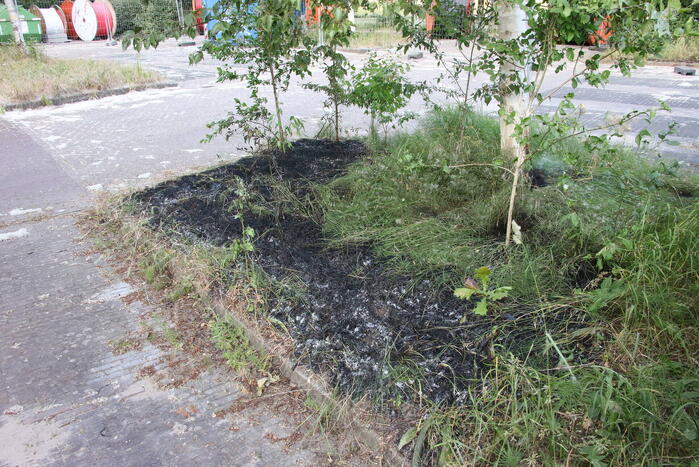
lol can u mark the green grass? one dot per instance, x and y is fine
(236, 348)
(611, 243)
(36, 76)
(442, 223)
(684, 49)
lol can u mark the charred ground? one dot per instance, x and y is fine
(350, 317)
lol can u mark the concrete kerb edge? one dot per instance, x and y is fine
(361, 50)
(71, 98)
(311, 383)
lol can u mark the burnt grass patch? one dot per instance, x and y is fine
(351, 318)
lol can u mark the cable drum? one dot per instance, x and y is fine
(67, 8)
(106, 18)
(51, 24)
(84, 20)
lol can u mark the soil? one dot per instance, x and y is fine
(370, 331)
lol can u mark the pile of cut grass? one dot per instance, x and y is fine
(32, 76)
(610, 235)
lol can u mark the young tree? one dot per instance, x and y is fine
(381, 90)
(265, 39)
(263, 36)
(336, 27)
(517, 43)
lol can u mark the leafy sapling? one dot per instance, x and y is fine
(381, 90)
(265, 36)
(337, 30)
(260, 43)
(479, 287)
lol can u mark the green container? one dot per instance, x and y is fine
(31, 25)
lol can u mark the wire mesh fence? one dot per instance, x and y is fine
(372, 29)
(154, 15)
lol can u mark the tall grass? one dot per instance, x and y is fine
(435, 204)
(683, 49)
(35, 76)
(610, 236)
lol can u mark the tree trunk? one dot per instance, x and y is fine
(277, 107)
(337, 121)
(512, 23)
(16, 24)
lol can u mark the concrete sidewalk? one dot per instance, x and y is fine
(66, 398)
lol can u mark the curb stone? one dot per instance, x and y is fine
(685, 70)
(304, 378)
(84, 96)
(355, 50)
(314, 385)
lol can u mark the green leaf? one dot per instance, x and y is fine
(499, 293)
(641, 134)
(483, 274)
(407, 437)
(482, 308)
(464, 293)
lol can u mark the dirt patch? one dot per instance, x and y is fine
(365, 327)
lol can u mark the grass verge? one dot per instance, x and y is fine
(36, 76)
(609, 241)
(684, 49)
(607, 237)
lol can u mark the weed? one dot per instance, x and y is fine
(236, 348)
(181, 289)
(170, 335)
(155, 268)
(479, 288)
(330, 414)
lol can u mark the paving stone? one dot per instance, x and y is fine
(685, 70)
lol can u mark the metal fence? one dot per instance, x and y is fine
(372, 30)
(153, 15)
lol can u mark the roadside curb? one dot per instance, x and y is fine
(71, 98)
(313, 384)
(355, 50)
